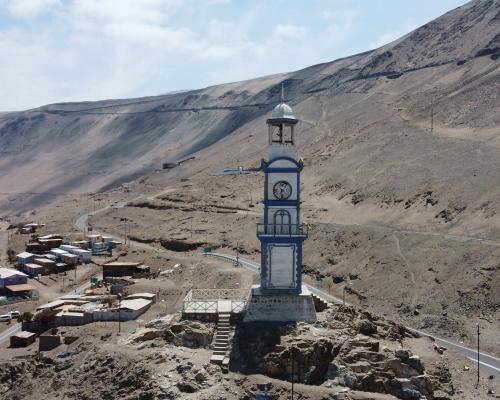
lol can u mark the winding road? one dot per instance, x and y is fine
(489, 364)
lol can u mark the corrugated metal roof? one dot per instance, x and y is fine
(24, 334)
(8, 272)
(143, 295)
(25, 254)
(24, 287)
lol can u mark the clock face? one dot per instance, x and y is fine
(282, 190)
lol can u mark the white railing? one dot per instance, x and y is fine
(206, 301)
(218, 294)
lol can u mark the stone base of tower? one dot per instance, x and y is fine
(280, 307)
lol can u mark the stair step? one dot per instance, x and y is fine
(219, 352)
(217, 359)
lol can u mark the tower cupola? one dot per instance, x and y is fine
(282, 123)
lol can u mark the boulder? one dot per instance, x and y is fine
(416, 363)
(366, 327)
(159, 323)
(350, 379)
(145, 335)
(186, 387)
(400, 369)
(201, 376)
(423, 383)
(191, 334)
(403, 354)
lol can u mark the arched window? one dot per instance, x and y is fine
(282, 221)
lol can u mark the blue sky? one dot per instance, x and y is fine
(73, 50)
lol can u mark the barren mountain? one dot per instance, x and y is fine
(364, 118)
(401, 183)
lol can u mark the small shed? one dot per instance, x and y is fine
(9, 276)
(34, 247)
(70, 259)
(73, 318)
(147, 296)
(122, 268)
(35, 269)
(131, 309)
(82, 244)
(50, 243)
(61, 267)
(85, 255)
(24, 290)
(94, 238)
(58, 253)
(24, 258)
(45, 262)
(22, 339)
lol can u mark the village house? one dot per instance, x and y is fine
(24, 258)
(123, 268)
(15, 283)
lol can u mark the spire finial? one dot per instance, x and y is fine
(282, 93)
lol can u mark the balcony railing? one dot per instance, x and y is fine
(282, 230)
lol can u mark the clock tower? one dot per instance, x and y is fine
(280, 296)
(281, 233)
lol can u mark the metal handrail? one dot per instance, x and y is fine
(282, 230)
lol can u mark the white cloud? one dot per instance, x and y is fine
(29, 8)
(290, 30)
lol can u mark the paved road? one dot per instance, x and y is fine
(489, 364)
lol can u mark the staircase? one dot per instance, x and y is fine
(220, 355)
(319, 303)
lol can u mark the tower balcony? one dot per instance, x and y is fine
(284, 230)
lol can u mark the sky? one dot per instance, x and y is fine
(54, 51)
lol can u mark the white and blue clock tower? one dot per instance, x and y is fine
(281, 233)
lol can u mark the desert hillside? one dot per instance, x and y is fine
(401, 184)
(366, 125)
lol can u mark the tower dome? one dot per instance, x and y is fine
(283, 111)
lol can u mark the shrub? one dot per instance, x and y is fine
(25, 317)
(11, 254)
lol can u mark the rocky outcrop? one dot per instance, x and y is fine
(345, 347)
(284, 351)
(191, 334)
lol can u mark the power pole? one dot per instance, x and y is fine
(237, 254)
(119, 312)
(432, 116)
(293, 370)
(477, 325)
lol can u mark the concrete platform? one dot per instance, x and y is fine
(280, 307)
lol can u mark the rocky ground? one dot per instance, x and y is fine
(431, 281)
(348, 354)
